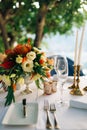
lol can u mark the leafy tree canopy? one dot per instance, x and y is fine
(39, 17)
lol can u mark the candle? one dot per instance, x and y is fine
(76, 45)
(80, 46)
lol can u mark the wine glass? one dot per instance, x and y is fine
(61, 68)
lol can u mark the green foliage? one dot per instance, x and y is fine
(1, 46)
(38, 83)
(10, 96)
(38, 68)
(61, 16)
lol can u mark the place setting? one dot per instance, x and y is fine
(21, 114)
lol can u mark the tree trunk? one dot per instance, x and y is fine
(40, 24)
(4, 33)
(11, 39)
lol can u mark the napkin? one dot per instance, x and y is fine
(79, 103)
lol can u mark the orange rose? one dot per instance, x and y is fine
(22, 49)
(41, 61)
(24, 59)
(9, 53)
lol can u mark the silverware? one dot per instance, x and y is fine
(46, 108)
(53, 109)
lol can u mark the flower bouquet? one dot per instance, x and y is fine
(20, 61)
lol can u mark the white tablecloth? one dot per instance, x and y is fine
(69, 118)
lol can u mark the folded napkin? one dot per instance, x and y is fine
(79, 103)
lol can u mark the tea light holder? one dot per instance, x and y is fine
(50, 87)
(76, 90)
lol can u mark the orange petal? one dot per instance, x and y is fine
(24, 59)
(14, 87)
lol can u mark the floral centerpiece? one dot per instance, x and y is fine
(20, 61)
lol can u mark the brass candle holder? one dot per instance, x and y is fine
(85, 88)
(76, 90)
(74, 80)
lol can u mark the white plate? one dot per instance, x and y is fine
(14, 115)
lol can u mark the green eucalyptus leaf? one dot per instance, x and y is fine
(37, 82)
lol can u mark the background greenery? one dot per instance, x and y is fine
(38, 17)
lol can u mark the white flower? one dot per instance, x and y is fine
(37, 50)
(12, 75)
(31, 55)
(27, 66)
(20, 81)
(19, 59)
(6, 80)
(43, 57)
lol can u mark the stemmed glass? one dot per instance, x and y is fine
(61, 68)
(27, 81)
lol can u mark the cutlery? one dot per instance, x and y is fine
(53, 109)
(46, 108)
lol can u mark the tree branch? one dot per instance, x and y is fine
(55, 3)
(8, 14)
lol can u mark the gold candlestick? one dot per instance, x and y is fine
(74, 80)
(76, 90)
(85, 88)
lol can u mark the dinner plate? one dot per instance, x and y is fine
(14, 115)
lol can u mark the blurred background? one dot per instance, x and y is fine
(65, 45)
(51, 25)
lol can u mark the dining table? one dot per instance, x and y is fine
(68, 117)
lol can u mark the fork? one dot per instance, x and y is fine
(46, 108)
(53, 109)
